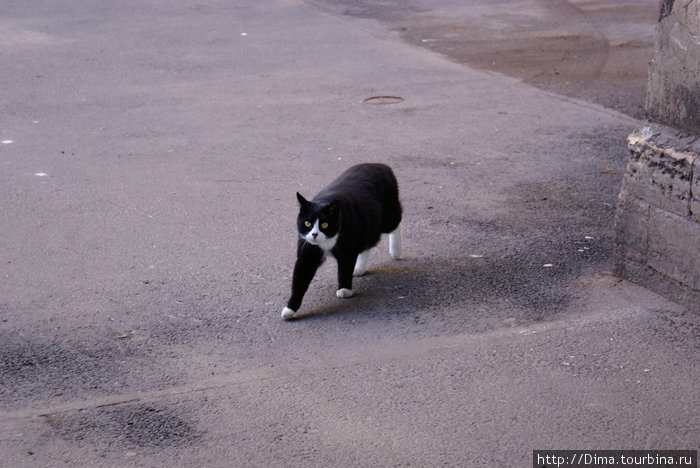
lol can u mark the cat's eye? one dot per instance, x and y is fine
(307, 223)
(324, 225)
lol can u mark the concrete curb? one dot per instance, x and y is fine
(657, 223)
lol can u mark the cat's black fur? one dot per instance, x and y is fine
(360, 205)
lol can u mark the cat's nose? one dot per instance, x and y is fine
(314, 235)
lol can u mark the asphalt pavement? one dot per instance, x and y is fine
(150, 153)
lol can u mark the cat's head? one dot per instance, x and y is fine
(318, 223)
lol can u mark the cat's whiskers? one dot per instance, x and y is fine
(304, 242)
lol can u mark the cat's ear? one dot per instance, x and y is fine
(302, 200)
(333, 207)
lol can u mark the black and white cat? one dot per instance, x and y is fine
(345, 220)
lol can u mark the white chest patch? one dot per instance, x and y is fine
(316, 237)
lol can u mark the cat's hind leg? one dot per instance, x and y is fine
(361, 264)
(395, 241)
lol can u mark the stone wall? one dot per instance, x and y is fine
(673, 86)
(657, 222)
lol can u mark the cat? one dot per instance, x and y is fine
(345, 220)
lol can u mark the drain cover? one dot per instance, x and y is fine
(383, 100)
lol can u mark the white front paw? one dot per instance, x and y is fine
(287, 313)
(344, 292)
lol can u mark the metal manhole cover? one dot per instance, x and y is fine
(383, 100)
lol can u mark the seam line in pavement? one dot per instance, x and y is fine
(376, 352)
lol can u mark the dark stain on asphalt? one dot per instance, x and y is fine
(141, 426)
(56, 367)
